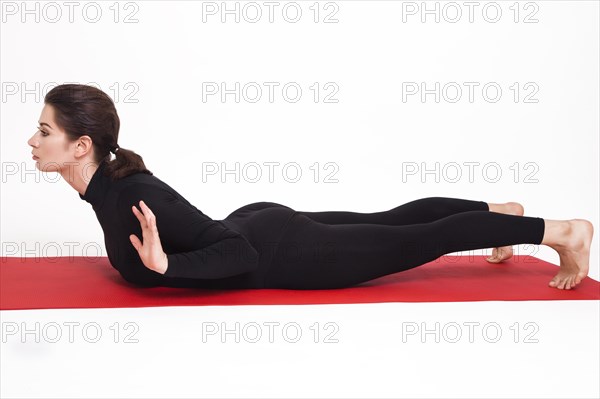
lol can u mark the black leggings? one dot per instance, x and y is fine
(337, 249)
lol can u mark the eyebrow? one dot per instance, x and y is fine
(44, 123)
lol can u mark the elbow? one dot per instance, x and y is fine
(139, 280)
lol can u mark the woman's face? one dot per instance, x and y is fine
(49, 144)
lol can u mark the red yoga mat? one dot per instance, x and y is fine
(76, 282)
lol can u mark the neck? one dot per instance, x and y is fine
(79, 175)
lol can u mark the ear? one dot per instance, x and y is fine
(84, 145)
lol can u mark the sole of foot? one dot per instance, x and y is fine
(574, 255)
(501, 254)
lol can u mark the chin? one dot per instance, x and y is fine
(45, 167)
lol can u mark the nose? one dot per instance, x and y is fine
(31, 141)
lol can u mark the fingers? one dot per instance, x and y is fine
(137, 244)
(150, 218)
(147, 217)
(139, 216)
(147, 221)
(146, 209)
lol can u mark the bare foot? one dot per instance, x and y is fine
(500, 254)
(574, 255)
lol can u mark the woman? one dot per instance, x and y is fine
(169, 242)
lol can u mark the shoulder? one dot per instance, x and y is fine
(158, 199)
(149, 186)
(150, 193)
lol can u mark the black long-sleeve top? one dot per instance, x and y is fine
(232, 253)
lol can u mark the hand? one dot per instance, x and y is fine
(151, 252)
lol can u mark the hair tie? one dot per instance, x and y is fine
(115, 149)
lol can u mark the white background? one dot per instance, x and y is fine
(155, 69)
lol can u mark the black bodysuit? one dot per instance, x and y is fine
(269, 245)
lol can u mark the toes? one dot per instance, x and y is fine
(565, 284)
(573, 281)
(568, 283)
(493, 258)
(499, 254)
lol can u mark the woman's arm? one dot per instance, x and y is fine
(195, 245)
(228, 257)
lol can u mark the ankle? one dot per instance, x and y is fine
(557, 234)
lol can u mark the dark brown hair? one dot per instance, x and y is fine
(82, 110)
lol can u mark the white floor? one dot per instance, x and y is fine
(521, 349)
